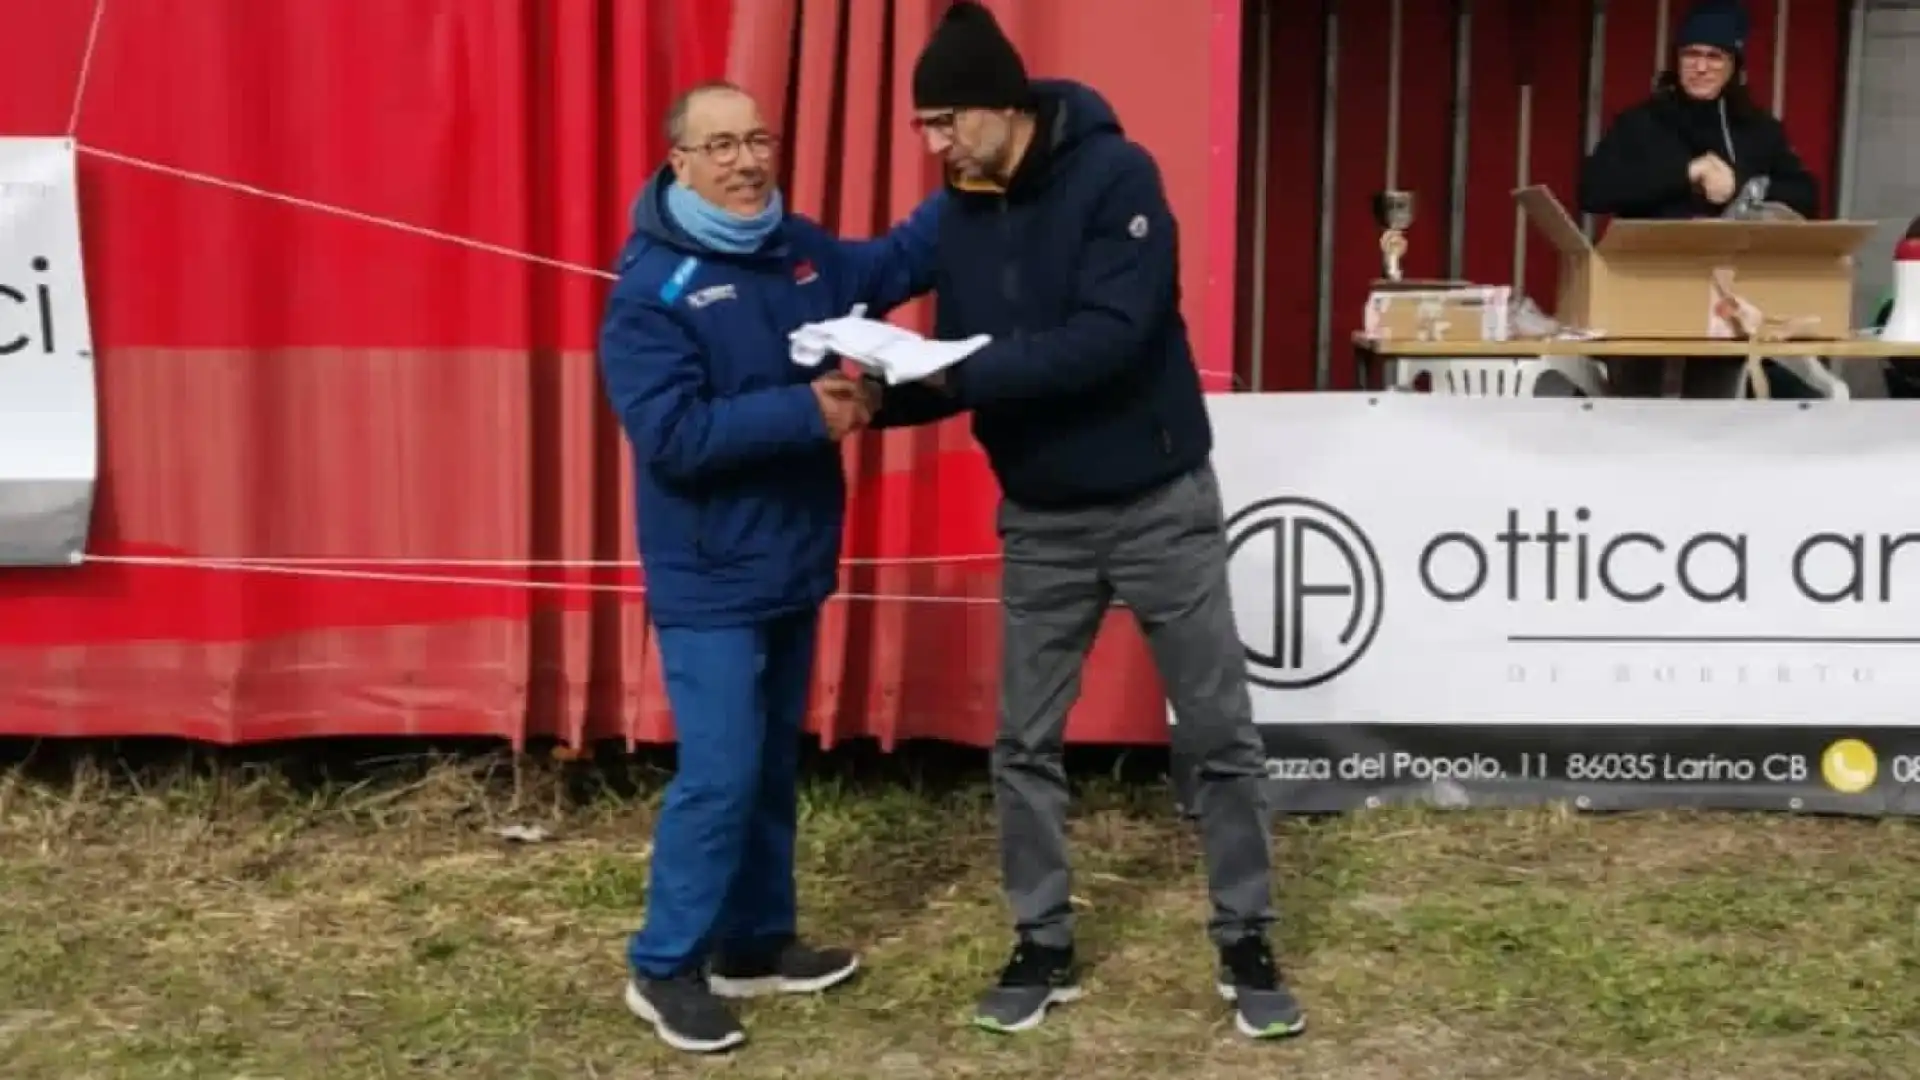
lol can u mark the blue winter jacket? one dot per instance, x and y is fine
(1088, 394)
(739, 493)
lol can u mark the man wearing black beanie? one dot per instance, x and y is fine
(1058, 243)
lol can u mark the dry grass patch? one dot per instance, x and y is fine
(227, 922)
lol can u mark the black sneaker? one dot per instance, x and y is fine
(685, 1014)
(792, 968)
(1263, 1007)
(1036, 978)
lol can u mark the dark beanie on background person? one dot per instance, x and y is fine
(969, 64)
(1719, 24)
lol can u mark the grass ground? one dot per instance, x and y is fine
(235, 922)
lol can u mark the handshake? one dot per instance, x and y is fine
(847, 405)
(891, 355)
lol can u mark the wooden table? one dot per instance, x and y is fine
(1369, 354)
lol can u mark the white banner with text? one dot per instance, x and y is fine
(1424, 559)
(49, 446)
(1625, 603)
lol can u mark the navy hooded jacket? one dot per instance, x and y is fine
(739, 491)
(1088, 394)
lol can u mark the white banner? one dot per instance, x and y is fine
(49, 456)
(1417, 559)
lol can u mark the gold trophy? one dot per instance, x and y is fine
(1393, 211)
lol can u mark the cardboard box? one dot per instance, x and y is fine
(1437, 311)
(1656, 279)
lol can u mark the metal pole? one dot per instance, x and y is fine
(1664, 27)
(1522, 171)
(1782, 20)
(1524, 34)
(1596, 85)
(1462, 126)
(1262, 161)
(1850, 108)
(1394, 45)
(1329, 146)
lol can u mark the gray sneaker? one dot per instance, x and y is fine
(789, 967)
(1263, 1006)
(685, 1013)
(1034, 980)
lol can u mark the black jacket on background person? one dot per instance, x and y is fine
(1639, 169)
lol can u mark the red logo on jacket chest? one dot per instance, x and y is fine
(804, 273)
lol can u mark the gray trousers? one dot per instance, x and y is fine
(1164, 555)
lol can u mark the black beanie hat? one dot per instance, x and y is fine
(1721, 24)
(969, 64)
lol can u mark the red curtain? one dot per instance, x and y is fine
(283, 381)
(288, 382)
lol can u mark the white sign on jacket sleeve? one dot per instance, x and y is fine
(49, 444)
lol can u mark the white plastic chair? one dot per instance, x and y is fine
(1808, 369)
(1498, 377)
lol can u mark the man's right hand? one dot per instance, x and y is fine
(843, 405)
(1713, 176)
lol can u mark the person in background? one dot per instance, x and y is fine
(1059, 243)
(1688, 149)
(739, 498)
(1687, 152)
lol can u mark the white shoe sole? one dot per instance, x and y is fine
(1063, 996)
(1240, 1024)
(740, 989)
(638, 1005)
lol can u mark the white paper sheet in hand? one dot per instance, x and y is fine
(914, 358)
(886, 350)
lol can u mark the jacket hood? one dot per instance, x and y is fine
(650, 218)
(1073, 112)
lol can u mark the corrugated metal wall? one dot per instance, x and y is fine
(1459, 102)
(1881, 178)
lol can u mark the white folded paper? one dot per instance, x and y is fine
(895, 355)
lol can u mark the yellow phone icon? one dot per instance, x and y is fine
(1849, 766)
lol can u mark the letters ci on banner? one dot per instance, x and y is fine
(49, 456)
(1625, 603)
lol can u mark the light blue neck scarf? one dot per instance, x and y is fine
(721, 230)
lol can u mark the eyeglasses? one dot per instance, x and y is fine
(724, 149)
(1703, 56)
(939, 123)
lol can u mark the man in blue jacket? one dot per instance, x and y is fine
(740, 496)
(1059, 243)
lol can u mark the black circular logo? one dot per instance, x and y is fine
(1308, 591)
